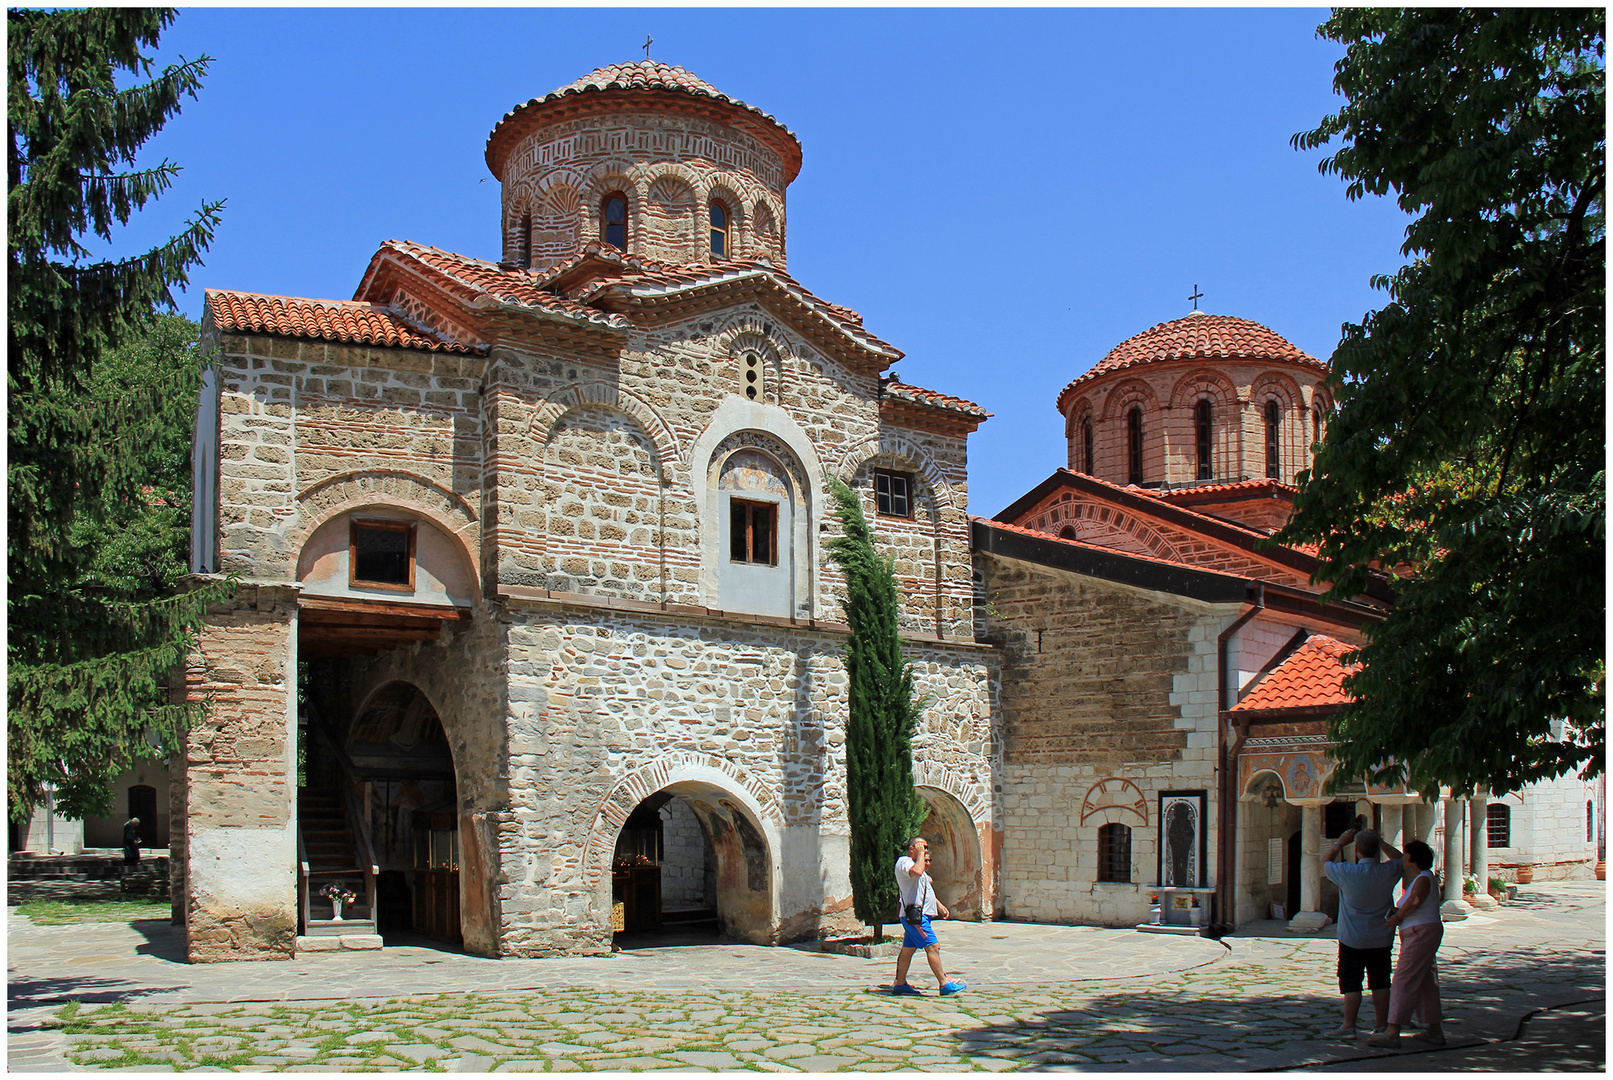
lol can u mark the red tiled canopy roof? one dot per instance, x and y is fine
(1198, 336)
(349, 321)
(645, 76)
(1311, 678)
(890, 386)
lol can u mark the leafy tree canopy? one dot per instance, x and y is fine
(1467, 451)
(884, 809)
(99, 395)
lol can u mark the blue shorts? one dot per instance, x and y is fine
(918, 937)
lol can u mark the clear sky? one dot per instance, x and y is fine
(1003, 194)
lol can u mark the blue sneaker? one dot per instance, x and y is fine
(953, 986)
(905, 989)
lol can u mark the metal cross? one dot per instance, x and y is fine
(648, 41)
(1196, 294)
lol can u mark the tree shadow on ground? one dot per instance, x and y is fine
(28, 993)
(1186, 1027)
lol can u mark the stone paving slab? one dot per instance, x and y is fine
(1065, 998)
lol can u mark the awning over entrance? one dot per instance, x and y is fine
(330, 627)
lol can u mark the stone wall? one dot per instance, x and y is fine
(238, 798)
(1108, 699)
(1549, 830)
(688, 872)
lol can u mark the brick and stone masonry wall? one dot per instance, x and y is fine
(238, 796)
(1548, 830)
(1099, 682)
(1167, 392)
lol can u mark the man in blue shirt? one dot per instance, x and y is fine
(1366, 895)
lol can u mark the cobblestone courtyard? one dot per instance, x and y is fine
(1040, 997)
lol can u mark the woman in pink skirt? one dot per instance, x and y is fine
(1416, 983)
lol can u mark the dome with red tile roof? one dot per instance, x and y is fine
(643, 76)
(1197, 336)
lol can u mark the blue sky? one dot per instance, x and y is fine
(1004, 194)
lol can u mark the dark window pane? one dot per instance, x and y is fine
(1205, 471)
(1498, 825)
(738, 529)
(381, 555)
(899, 496)
(1134, 447)
(718, 241)
(616, 221)
(1086, 446)
(761, 534)
(882, 492)
(719, 216)
(1273, 418)
(1114, 853)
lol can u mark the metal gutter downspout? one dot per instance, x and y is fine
(1225, 821)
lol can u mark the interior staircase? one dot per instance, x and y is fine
(332, 857)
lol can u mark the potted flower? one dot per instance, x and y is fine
(1470, 886)
(339, 897)
(1498, 888)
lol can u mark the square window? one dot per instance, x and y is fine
(380, 554)
(1114, 853)
(753, 532)
(1498, 825)
(891, 493)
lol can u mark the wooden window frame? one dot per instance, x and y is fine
(391, 525)
(605, 222)
(1274, 419)
(735, 505)
(1114, 851)
(724, 230)
(1204, 438)
(890, 495)
(1498, 823)
(1134, 445)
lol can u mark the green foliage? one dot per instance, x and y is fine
(100, 392)
(1468, 447)
(884, 809)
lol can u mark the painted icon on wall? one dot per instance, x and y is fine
(1183, 840)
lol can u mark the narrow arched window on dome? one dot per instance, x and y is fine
(1134, 445)
(1316, 425)
(613, 220)
(1273, 419)
(524, 256)
(1202, 414)
(719, 229)
(1086, 446)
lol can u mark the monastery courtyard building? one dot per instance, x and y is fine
(537, 642)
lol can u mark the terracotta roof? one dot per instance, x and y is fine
(1008, 526)
(1312, 677)
(665, 280)
(651, 76)
(474, 280)
(350, 321)
(917, 395)
(1236, 487)
(1199, 336)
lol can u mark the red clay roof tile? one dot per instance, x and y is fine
(472, 279)
(1311, 678)
(891, 387)
(1199, 335)
(1038, 534)
(350, 321)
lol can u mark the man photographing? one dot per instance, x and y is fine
(919, 904)
(1366, 896)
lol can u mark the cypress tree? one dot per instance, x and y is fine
(884, 808)
(88, 658)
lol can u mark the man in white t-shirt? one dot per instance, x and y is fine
(914, 885)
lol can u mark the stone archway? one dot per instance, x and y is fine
(741, 862)
(955, 856)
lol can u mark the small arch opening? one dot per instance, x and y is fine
(1134, 445)
(719, 229)
(1086, 446)
(1273, 423)
(1204, 441)
(955, 863)
(613, 220)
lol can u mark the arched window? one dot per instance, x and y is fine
(1590, 820)
(1134, 445)
(1086, 446)
(1114, 852)
(1316, 424)
(613, 220)
(1273, 418)
(1498, 825)
(719, 229)
(1202, 413)
(1068, 533)
(523, 257)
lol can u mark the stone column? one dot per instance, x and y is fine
(1309, 918)
(1393, 823)
(1479, 860)
(1453, 909)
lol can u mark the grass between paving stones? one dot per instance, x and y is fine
(88, 909)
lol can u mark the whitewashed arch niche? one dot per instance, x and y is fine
(762, 527)
(386, 553)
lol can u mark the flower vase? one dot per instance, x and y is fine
(336, 910)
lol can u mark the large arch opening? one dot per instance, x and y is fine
(691, 866)
(955, 862)
(1267, 850)
(378, 815)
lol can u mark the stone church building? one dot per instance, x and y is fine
(536, 640)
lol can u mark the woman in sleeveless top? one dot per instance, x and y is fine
(1416, 983)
